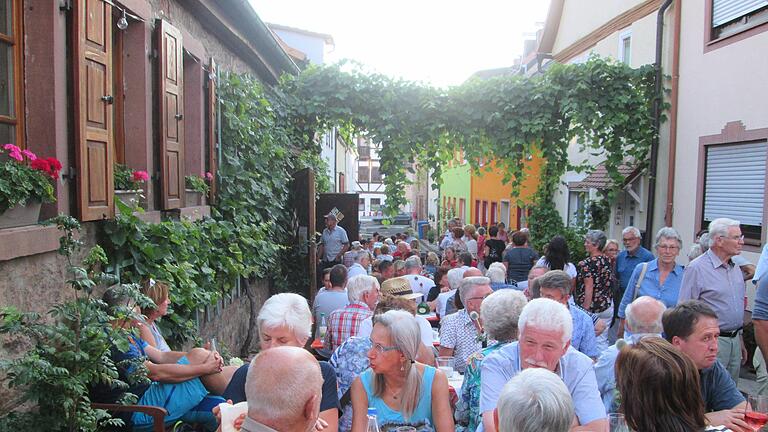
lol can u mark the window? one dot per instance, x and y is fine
(576, 202)
(364, 150)
(734, 185)
(11, 84)
(375, 174)
(733, 16)
(363, 174)
(375, 204)
(625, 47)
(361, 205)
(477, 211)
(462, 209)
(494, 208)
(484, 219)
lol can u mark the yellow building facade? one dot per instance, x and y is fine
(491, 201)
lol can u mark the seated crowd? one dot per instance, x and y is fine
(505, 339)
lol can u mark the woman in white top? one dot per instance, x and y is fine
(557, 257)
(470, 239)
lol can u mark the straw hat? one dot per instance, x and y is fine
(399, 287)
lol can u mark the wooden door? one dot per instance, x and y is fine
(171, 125)
(93, 99)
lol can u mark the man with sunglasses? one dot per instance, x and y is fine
(717, 281)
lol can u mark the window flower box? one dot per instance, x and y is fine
(21, 215)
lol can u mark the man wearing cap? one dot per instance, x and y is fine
(333, 243)
(349, 256)
(419, 284)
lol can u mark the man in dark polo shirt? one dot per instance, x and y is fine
(692, 327)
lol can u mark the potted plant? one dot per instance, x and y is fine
(26, 181)
(197, 189)
(129, 185)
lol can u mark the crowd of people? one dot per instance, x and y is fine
(539, 342)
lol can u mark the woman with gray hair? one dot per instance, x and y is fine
(499, 313)
(403, 392)
(535, 400)
(659, 278)
(593, 282)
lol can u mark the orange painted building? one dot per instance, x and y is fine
(491, 201)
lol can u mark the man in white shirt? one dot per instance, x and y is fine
(419, 284)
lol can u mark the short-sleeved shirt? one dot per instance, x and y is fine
(235, 390)
(583, 338)
(575, 369)
(718, 389)
(345, 323)
(720, 285)
(458, 332)
(626, 263)
(420, 284)
(356, 270)
(598, 268)
(333, 242)
(468, 408)
(605, 372)
(349, 360)
(569, 267)
(519, 262)
(667, 293)
(495, 251)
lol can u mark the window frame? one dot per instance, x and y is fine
(733, 133)
(16, 41)
(623, 36)
(712, 43)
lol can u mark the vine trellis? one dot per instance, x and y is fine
(601, 106)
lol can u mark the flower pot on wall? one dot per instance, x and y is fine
(194, 198)
(21, 215)
(129, 197)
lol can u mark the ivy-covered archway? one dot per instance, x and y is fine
(603, 107)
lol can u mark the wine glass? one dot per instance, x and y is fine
(756, 413)
(617, 422)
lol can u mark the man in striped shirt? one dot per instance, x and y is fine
(363, 294)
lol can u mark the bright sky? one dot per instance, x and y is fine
(438, 42)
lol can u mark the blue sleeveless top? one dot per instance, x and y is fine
(390, 419)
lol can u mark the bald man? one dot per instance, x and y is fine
(283, 389)
(643, 319)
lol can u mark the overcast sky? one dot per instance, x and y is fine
(439, 42)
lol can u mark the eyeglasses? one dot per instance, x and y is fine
(737, 238)
(627, 240)
(381, 349)
(478, 298)
(668, 247)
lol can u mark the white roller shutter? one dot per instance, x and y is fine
(735, 182)
(724, 11)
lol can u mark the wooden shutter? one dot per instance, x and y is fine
(92, 62)
(212, 127)
(171, 124)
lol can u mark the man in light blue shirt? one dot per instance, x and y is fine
(333, 243)
(643, 319)
(545, 332)
(632, 255)
(556, 285)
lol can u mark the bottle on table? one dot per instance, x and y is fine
(373, 423)
(322, 328)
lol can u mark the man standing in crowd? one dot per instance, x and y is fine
(556, 285)
(333, 243)
(632, 255)
(545, 334)
(363, 294)
(643, 319)
(714, 279)
(283, 389)
(419, 284)
(693, 328)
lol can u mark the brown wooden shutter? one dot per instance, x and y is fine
(92, 62)
(171, 101)
(212, 128)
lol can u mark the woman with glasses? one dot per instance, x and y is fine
(403, 391)
(659, 278)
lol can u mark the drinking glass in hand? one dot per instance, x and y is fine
(617, 423)
(756, 414)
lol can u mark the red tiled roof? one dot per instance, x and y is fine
(599, 178)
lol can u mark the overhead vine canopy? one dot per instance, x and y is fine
(602, 106)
